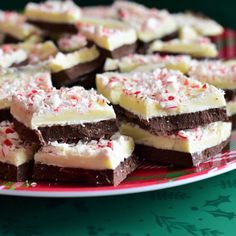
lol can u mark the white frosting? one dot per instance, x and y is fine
(198, 47)
(96, 155)
(149, 23)
(12, 149)
(53, 12)
(217, 73)
(202, 25)
(14, 24)
(131, 62)
(108, 34)
(22, 81)
(64, 61)
(74, 105)
(188, 141)
(158, 93)
(10, 56)
(69, 43)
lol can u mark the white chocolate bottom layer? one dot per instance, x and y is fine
(96, 155)
(188, 141)
(231, 108)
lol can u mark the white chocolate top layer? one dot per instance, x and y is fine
(10, 56)
(22, 80)
(159, 93)
(106, 33)
(150, 23)
(217, 73)
(53, 12)
(199, 47)
(69, 43)
(65, 106)
(99, 12)
(188, 141)
(12, 149)
(14, 24)
(64, 61)
(96, 155)
(131, 62)
(204, 26)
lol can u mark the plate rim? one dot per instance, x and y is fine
(106, 193)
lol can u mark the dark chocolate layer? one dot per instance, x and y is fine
(54, 27)
(230, 94)
(233, 120)
(175, 158)
(5, 114)
(168, 124)
(13, 173)
(67, 133)
(122, 51)
(86, 176)
(76, 74)
(11, 39)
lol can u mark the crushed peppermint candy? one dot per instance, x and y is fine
(57, 100)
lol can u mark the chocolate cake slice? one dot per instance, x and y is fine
(54, 16)
(75, 67)
(65, 115)
(114, 38)
(16, 158)
(162, 101)
(21, 80)
(221, 74)
(102, 162)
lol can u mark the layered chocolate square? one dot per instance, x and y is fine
(114, 39)
(16, 158)
(64, 115)
(21, 80)
(96, 162)
(78, 67)
(54, 16)
(222, 75)
(161, 104)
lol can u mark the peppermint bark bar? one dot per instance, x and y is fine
(16, 158)
(114, 39)
(15, 27)
(184, 148)
(163, 101)
(101, 162)
(220, 74)
(77, 67)
(54, 16)
(65, 115)
(21, 80)
(140, 62)
(199, 47)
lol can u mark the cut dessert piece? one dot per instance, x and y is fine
(54, 16)
(65, 115)
(102, 162)
(38, 52)
(135, 61)
(15, 27)
(12, 57)
(203, 25)
(185, 148)
(198, 48)
(16, 158)
(68, 69)
(150, 24)
(72, 42)
(220, 74)
(162, 100)
(115, 39)
(20, 80)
